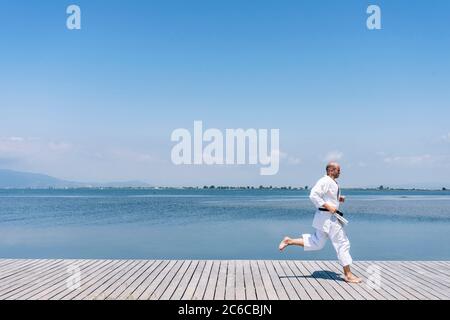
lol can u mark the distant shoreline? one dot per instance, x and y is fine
(18, 180)
(237, 188)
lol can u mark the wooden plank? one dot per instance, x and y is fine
(156, 281)
(148, 280)
(27, 266)
(86, 276)
(190, 289)
(168, 279)
(294, 276)
(100, 293)
(321, 277)
(402, 282)
(201, 287)
(254, 285)
(175, 281)
(212, 281)
(179, 291)
(125, 292)
(58, 276)
(304, 280)
(444, 263)
(432, 265)
(240, 282)
(390, 282)
(230, 292)
(414, 280)
(320, 290)
(436, 274)
(267, 282)
(122, 281)
(290, 290)
(23, 280)
(16, 264)
(91, 283)
(386, 286)
(340, 282)
(384, 291)
(6, 264)
(31, 289)
(59, 283)
(430, 270)
(221, 281)
(278, 285)
(359, 288)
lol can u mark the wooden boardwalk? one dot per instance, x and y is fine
(221, 280)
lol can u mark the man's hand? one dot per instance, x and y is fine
(330, 208)
(341, 199)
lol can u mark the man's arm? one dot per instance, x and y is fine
(317, 193)
(329, 207)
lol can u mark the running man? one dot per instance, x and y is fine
(326, 198)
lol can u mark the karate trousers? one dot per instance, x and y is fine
(336, 233)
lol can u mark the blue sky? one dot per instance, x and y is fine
(100, 103)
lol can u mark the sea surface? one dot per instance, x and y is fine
(215, 224)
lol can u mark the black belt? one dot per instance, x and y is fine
(338, 212)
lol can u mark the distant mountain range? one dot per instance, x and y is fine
(17, 179)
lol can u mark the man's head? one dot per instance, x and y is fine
(333, 169)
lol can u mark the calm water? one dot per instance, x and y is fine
(215, 224)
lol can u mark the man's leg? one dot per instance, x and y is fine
(349, 276)
(342, 246)
(309, 242)
(290, 242)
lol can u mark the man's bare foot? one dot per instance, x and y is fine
(352, 279)
(284, 243)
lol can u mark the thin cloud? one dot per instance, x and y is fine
(14, 139)
(446, 138)
(131, 156)
(59, 146)
(23, 147)
(294, 160)
(418, 160)
(285, 157)
(333, 156)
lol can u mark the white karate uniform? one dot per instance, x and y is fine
(327, 226)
